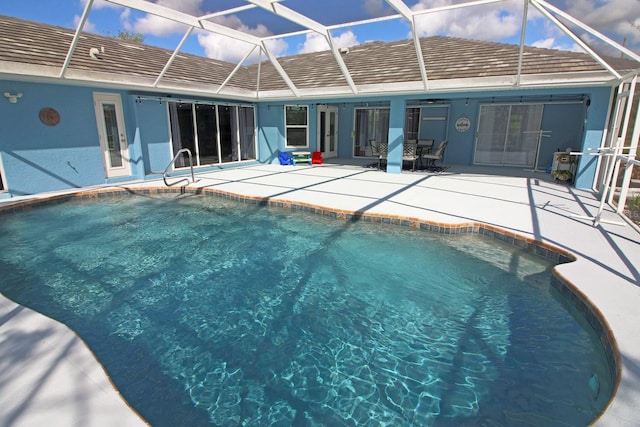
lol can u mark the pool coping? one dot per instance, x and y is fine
(554, 253)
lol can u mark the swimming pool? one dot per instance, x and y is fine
(206, 310)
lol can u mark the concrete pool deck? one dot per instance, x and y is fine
(48, 376)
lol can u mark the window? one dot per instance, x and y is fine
(372, 124)
(296, 126)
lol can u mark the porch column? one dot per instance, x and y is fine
(593, 134)
(396, 135)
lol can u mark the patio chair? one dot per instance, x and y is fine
(432, 158)
(410, 153)
(424, 147)
(381, 150)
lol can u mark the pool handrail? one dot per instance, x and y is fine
(164, 174)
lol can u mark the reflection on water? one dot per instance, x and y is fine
(204, 310)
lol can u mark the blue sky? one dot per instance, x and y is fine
(618, 19)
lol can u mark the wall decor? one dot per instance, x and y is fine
(463, 124)
(49, 116)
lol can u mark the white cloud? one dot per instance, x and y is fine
(99, 4)
(314, 42)
(618, 19)
(376, 8)
(346, 39)
(487, 22)
(157, 26)
(547, 43)
(88, 25)
(223, 48)
(215, 45)
(231, 50)
(317, 43)
(552, 43)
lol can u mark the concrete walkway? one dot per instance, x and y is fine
(48, 375)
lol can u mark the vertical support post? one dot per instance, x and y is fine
(595, 131)
(396, 135)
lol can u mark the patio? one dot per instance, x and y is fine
(46, 385)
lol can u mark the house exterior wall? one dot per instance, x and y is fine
(593, 134)
(152, 135)
(271, 141)
(578, 124)
(38, 158)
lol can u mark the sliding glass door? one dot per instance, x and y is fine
(372, 124)
(206, 126)
(508, 134)
(213, 133)
(182, 133)
(247, 126)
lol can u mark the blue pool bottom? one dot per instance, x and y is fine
(210, 311)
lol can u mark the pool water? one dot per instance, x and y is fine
(208, 311)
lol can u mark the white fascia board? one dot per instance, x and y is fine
(573, 79)
(23, 69)
(49, 74)
(105, 77)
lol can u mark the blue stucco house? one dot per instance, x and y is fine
(82, 110)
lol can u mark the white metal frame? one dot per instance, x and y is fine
(612, 152)
(553, 14)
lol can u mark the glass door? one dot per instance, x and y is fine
(328, 131)
(183, 135)
(112, 134)
(372, 125)
(214, 133)
(508, 134)
(247, 127)
(228, 127)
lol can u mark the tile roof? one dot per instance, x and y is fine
(374, 63)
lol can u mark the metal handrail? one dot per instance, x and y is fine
(164, 174)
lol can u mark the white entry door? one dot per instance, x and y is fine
(112, 133)
(328, 131)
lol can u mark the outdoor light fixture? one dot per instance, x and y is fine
(12, 98)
